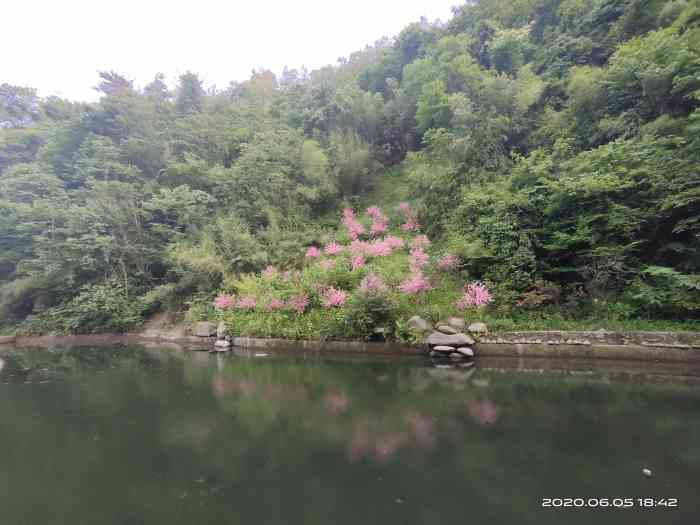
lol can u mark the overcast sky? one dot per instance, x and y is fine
(57, 46)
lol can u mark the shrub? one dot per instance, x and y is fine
(97, 308)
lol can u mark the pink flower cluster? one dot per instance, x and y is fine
(394, 242)
(448, 262)
(355, 229)
(475, 295)
(246, 303)
(372, 283)
(274, 304)
(224, 302)
(415, 284)
(313, 252)
(420, 241)
(334, 297)
(358, 261)
(333, 248)
(269, 273)
(327, 264)
(411, 223)
(417, 259)
(380, 223)
(298, 303)
(376, 248)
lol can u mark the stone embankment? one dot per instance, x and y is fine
(447, 339)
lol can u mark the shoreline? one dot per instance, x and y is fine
(679, 347)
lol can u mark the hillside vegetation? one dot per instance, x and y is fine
(549, 148)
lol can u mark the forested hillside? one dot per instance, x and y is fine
(550, 147)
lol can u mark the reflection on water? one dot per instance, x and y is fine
(132, 434)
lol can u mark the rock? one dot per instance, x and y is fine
(466, 351)
(456, 355)
(646, 472)
(446, 329)
(444, 348)
(222, 343)
(478, 328)
(457, 323)
(439, 339)
(221, 330)
(419, 324)
(204, 329)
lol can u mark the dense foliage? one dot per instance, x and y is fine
(550, 145)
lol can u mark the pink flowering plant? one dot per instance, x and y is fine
(224, 302)
(332, 297)
(333, 248)
(475, 295)
(448, 262)
(376, 272)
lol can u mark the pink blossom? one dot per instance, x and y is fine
(269, 273)
(355, 229)
(372, 283)
(313, 252)
(378, 227)
(380, 222)
(379, 249)
(358, 262)
(448, 262)
(410, 224)
(393, 242)
(359, 247)
(334, 297)
(298, 302)
(416, 283)
(475, 295)
(333, 248)
(417, 259)
(224, 302)
(420, 241)
(375, 212)
(403, 207)
(246, 303)
(274, 304)
(327, 264)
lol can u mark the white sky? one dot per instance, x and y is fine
(57, 46)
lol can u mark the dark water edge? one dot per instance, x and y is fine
(131, 434)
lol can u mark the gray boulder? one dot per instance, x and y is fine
(222, 344)
(478, 328)
(418, 323)
(438, 339)
(457, 323)
(446, 329)
(444, 348)
(466, 351)
(204, 329)
(221, 330)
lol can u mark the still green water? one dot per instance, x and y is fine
(134, 435)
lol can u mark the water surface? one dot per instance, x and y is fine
(151, 435)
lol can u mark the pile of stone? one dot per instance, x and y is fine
(207, 329)
(449, 338)
(223, 341)
(448, 341)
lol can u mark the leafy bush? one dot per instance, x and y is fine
(664, 291)
(97, 308)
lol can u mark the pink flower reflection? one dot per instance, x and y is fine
(484, 412)
(336, 402)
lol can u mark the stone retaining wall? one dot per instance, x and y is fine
(645, 346)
